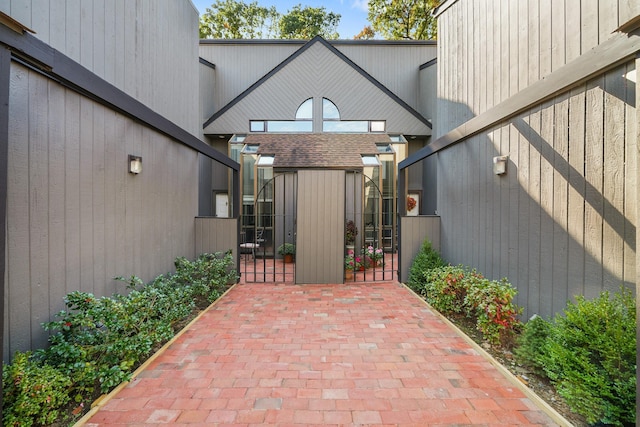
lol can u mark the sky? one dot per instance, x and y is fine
(353, 12)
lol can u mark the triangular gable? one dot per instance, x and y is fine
(317, 69)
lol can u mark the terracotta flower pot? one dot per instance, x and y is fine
(348, 275)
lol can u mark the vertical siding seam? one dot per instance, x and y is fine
(602, 180)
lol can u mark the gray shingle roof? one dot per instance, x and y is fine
(317, 150)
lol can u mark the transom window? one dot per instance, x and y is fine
(331, 121)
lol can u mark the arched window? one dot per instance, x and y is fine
(331, 121)
(329, 110)
(305, 110)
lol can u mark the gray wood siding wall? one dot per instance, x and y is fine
(320, 239)
(428, 93)
(76, 217)
(562, 221)
(207, 91)
(239, 65)
(490, 50)
(413, 231)
(216, 235)
(325, 75)
(395, 65)
(129, 44)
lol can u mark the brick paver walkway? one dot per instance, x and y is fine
(362, 354)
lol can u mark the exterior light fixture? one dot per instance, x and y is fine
(135, 164)
(500, 165)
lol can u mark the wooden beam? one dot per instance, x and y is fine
(619, 48)
(5, 80)
(637, 148)
(13, 24)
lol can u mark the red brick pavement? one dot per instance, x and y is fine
(287, 355)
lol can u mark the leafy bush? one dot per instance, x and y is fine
(426, 260)
(590, 355)
(98, 342)
(444, 288)
(32, 392)
(491, 303)
(532, 342)
(455, 289)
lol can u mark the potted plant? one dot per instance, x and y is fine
(351, 231)
(351, 263)
(287, 250)
(375, 255)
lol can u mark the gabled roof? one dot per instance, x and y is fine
(317, 150)
(341, 56)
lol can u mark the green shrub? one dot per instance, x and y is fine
(444, 288)
(207, 276)
(454, 289)
(32, 392)
(99, 341)
(532, 343)
(590, 355)
(491, 303)
(426, 260)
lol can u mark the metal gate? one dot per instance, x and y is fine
(268, 232)
(374, 216)
(269, 228)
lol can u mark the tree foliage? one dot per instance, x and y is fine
(234, 19)
(308, 22)
(366, 33)
(403, 19)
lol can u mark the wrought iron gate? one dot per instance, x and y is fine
(268, 231)
(374, 215)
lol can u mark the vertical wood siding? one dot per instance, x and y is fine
(562, 221)
(490, 50)
(76, 217)
(320, 249)
(428, 92)
(216, 235)
(414, 231)
(128, 44)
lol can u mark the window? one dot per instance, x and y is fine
(279, 126)
(257, 126)
(265, 160)
(250, 148)
(329, 110)
(377, 125)
(305, 110)
(345, 126)
(384, 148)
(397, 138)
(331, 122)
(370, 161)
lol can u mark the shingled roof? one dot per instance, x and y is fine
(317, 150)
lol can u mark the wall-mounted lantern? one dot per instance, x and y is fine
(500, 165)
(135, 164)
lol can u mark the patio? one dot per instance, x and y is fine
(356, 354)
